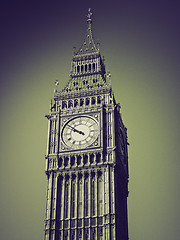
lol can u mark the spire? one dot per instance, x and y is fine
(88, 73)
(88, 46)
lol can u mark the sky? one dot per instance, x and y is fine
(140, 43)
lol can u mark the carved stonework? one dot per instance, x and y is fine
(86, 161)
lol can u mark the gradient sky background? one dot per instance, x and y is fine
(140, 42)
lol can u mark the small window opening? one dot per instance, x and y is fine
(94, 66)
(78, 69)
(81, 102)
(87, 101)
(98, 99)
(82, 67)
(86, 68)
(93, 101)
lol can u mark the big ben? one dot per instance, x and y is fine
(87, 156)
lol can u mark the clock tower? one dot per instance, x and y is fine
(87, 158)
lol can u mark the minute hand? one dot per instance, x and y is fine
(75, 130)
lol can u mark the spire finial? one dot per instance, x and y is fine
(88, 46)
(56, 84)
(89, 15)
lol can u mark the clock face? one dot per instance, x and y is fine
(80, 132)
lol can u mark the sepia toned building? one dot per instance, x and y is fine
(87, 156)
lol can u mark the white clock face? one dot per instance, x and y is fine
(80, 132)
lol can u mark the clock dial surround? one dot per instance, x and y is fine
(80, 132)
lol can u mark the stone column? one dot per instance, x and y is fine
(96, 200)
(83, 213)
(62, 204)
(69, 195)
(76, 204)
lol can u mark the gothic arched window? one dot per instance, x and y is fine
(100, 196)
(86, 234)
(79, 158)
(85, 158)
(90, 67)
(60, 162)
(94, 67)
(78, 68)
(75, 103)
(98, 157)
(64, 104)
(86, 197)
(87, 101)
(93, 197)
(72, 161)
(93, 234)
(66, 161)
(60, 184)
(81, 102)
(93, 100)
(92, 158)
(73, 199)
(66, 198)
(70, 104)
(86, 68)
(98, 99)
(80, 198)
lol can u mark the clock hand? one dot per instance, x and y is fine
(78, 131)
(75, 130)
(81, 132)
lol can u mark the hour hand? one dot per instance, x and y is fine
(80, 132)
(75, 130)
